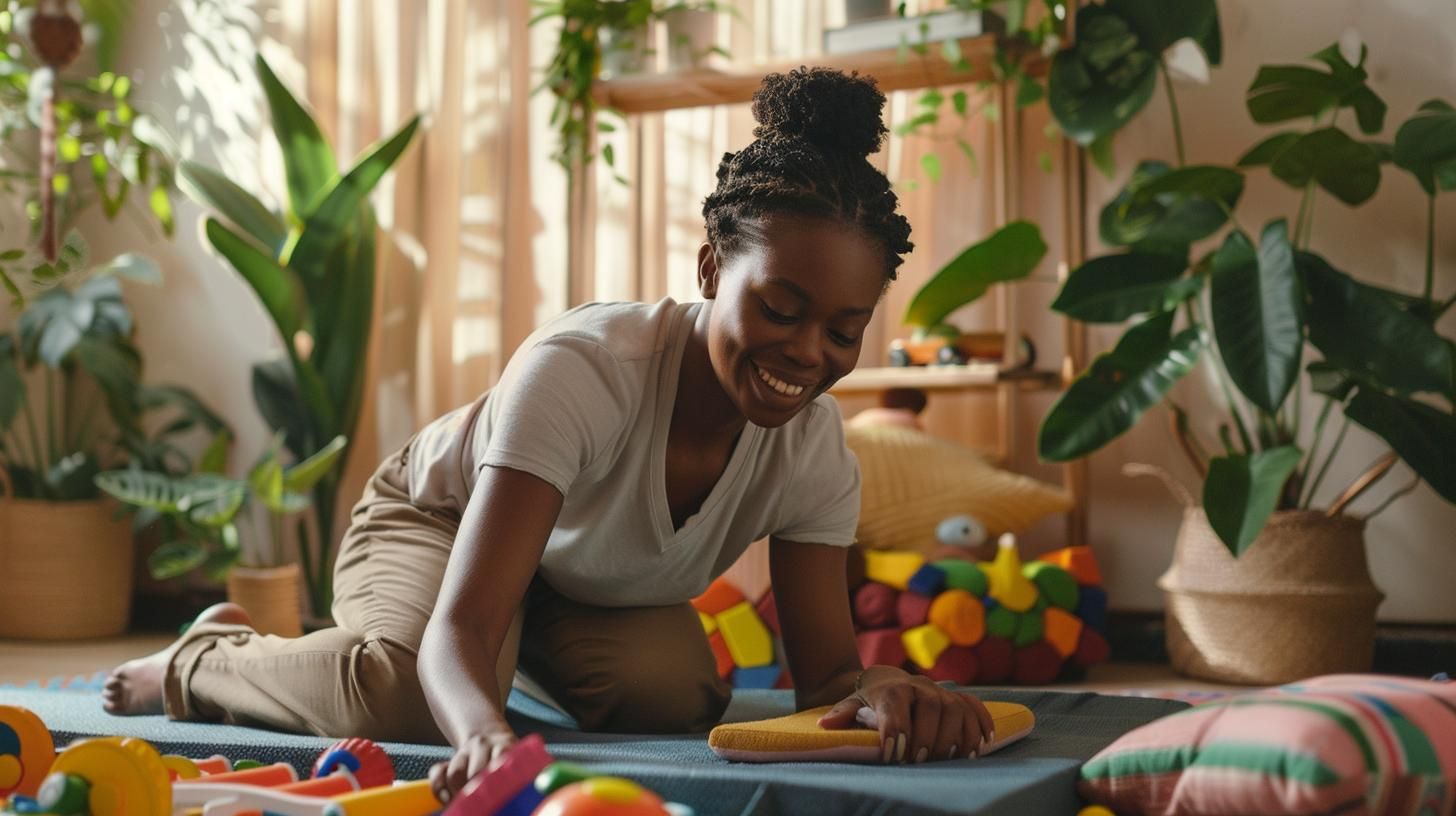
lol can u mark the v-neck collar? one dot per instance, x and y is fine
(679, 334)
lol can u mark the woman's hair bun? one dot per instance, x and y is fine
(830, 109)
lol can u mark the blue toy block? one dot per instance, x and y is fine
(523, 804)
(929, 581)
(1092, 608)
(758, 677)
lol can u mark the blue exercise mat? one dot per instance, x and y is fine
(1034, 776)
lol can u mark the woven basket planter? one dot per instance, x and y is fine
(65, 568)
(271, 597)
(1299, 602)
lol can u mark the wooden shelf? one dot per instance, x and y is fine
(649, 93)
(973, 377)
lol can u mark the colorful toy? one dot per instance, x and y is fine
(961, 532)
(26, 752)
(603, 796)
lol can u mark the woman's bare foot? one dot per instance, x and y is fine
(135, 687)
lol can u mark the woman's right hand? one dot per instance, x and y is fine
(471, 758)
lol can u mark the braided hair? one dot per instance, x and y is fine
(816, 128)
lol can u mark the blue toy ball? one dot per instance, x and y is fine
(963, 532)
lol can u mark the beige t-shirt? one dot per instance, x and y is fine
(586, 404)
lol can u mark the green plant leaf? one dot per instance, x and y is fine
(1028, 92)
(214, 458)
(1280, 93)
(275, 391)
(1010, 253)
(212, 501)
(277, 287)
(1241, 492)
(73, 478)
(930, 163)
(1164, 210)
(161, 205)
(1100, 83)
(12, 384)
(1423, 436)
(1425, 146)
(1102, 157)
(143, 489)
(1364, 331)
(308, 160)
(221, 561)
(1158, 28)
(339, 354)
(1258, 319)
(325, 226)
(211, 188)
(1329, 380)
(133, 267)
(1113, 288)
(304, 475)
(1348, 169)
(1118, 388)
(176, 558)
(116, 367)
(1267, 151)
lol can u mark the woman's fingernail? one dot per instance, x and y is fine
(899, 747)
(951, 754)
(889, 749)
(922, 754)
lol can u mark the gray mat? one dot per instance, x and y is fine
(1034, 776)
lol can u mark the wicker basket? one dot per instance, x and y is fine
(1299, 602)
(65, 568)
(270, 595)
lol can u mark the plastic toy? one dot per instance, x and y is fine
(26, 752)
(603, 796)
(961, 532)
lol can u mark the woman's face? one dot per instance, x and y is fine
(789, 312)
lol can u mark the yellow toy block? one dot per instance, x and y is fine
(1079, 561)
(1062, 630)
(749, 641)
(924, 644)
(1009, 587)
(960, 615)
(892, 567)
(709, 625)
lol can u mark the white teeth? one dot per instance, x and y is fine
(779, 385)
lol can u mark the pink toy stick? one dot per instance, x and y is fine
(501, 782)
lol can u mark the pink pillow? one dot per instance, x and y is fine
(1348, 744)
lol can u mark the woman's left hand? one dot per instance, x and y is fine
(918, 720)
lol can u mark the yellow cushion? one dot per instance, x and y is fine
(798, 737)
(912, 481)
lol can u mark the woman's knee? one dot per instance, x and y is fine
(385, 699)
(648, 699)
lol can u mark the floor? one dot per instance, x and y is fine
(21, 662)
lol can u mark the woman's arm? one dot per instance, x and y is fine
(496, 553)
(917, 719)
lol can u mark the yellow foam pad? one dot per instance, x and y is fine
(798, 737)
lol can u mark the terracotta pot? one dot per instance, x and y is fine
(271, 597)
(65, 568)
(1299, 602)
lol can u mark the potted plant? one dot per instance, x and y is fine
(203, 510)
(71, 398)
(1261, 550)
(311, 262)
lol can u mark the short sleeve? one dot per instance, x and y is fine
(821, 504)
(558, 406)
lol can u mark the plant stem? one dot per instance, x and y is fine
(1319, 432)
(1173, 109)
(83, 430)
(1451, 301)
(52, 443)
(41, 463)
(1223, 383)
(1306, 204)
(1430, 246)
(1329, 460)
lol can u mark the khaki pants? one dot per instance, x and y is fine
(634, 669)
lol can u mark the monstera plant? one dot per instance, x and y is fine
(1250, 307)
(311, 263)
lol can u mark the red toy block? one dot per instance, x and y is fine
(1036, 664)
(768, 610)
(912, 609)
(721, 596)
(721, 654)
(881, 647)
(956, 664)
(1092, 648)
(874, 605)
(993, 659)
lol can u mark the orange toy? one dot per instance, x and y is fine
(603, 796)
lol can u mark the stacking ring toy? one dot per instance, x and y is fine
(26, 752)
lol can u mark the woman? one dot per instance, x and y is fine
(561, 523)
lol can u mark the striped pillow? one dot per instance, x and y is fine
(1347, 744)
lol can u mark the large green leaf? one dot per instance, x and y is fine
(1426, 146)
(1164, 210)
(338, 207)
(1423, 436)
(1258, 315)
(307, 158)
(1158, 27)
(1241, 492)
(278, 287)
(1268, 150)
(1102, 81)
(1113, 288)
(141, 488)
(275, 392)
(1010, 253)
(1280, 93)
(117, 368)
(304, 475)
(1364, 331)
(235, 204)
(341, 358)
(1348, 169)
(213, 501)
(1110, 397)
(176, 558)
(72, 478)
